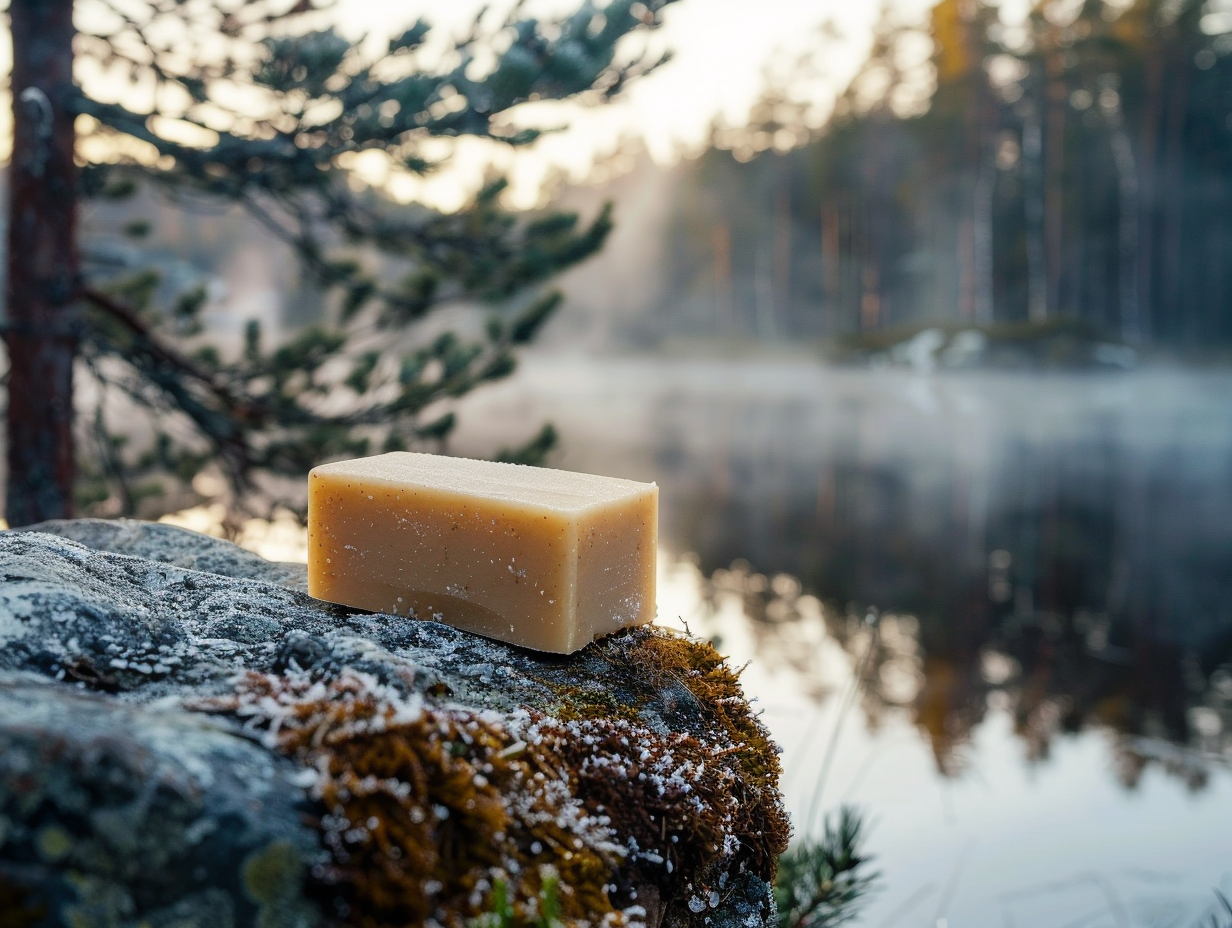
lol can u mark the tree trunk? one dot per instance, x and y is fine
(1148, 192)
(1056, 96)
(1173, 201)
(1128, 244)
(1033, 204)
(782, 255)
(42, 322)
(831, 284)
(982, 226)
(724, 313)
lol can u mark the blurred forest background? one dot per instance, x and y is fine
(988, 190)
(1072, 168)
(1004, 565)
(1042, 190)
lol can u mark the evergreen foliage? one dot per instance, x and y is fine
(1075, 166)
(264, 105)
(821, 884)
(1219, 915)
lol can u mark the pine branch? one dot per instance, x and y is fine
(245, 409)
(820, 884)
(226, 429)
(318, 96)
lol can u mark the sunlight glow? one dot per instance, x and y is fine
(723, 56)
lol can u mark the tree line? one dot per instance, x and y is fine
(1072, 168)
(258, 106)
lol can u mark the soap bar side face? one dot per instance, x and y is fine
(441, 555)
(617, 545)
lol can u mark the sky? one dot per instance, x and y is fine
(721, 51)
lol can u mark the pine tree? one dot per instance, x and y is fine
(272, 101)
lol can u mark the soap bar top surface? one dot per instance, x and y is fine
(542, 558)
(491, 480)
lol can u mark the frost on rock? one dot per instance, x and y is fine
(187, 738)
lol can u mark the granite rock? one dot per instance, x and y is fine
(168, 544)
(113, 814)
(187, 738)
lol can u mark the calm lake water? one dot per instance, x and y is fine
(994, 611)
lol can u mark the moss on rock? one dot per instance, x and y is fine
(434, 770)
(431, 804)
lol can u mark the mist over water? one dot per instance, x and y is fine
(1046, 690)
(1005, 493)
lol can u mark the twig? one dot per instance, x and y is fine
(848, 701)
(245, 408)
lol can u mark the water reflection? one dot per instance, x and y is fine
(997, 795)
(1063, 543)
(1041, 709)
(1155, 704)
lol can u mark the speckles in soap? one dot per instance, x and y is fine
(488, 545)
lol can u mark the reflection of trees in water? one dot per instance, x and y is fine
(1036, 540)
(1055, 676)
(1061, 544)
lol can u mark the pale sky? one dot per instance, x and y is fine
(720, 46)
(721, 49)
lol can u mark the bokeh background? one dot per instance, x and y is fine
(921, 316)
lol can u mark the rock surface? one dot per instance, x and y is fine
(187, 739)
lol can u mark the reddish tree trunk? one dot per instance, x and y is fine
(1054, 172)
(42, 322)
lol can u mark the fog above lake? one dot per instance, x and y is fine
(1043, 710)
(1105, 492)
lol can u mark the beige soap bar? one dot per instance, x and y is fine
(546, 559)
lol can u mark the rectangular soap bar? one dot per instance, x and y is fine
(541, 558)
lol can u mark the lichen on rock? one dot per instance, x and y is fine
(114, 814)
(358, 769)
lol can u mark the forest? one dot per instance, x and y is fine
(1068, 170)
(1003, 180)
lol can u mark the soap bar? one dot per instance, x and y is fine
(541, 558)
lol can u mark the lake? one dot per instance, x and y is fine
(993, 611)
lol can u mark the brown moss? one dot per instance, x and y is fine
(666, 794)
(428, 807)
(674, 676)
(662, 663)
(764, 828)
